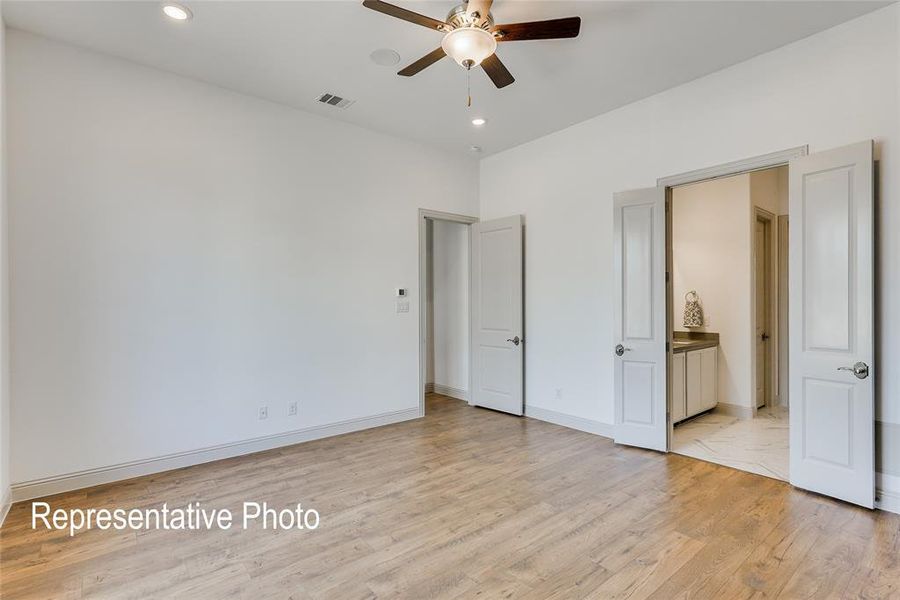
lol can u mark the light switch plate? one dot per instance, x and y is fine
(403, 307)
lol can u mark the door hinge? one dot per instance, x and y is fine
(667, 277)
(667, 346)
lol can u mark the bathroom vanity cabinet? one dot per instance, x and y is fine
(694, 381)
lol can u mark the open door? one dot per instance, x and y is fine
(831, 254)
(497, 332)
(640, 318)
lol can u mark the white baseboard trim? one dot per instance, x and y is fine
(37, 488)
(446, 390)
(570, 421)
(887, 492)
(733, 410)
(5, 504)
(888, 501)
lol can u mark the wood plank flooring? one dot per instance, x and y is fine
(467, 503)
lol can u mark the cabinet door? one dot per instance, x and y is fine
(708, 377)
(679, 410)
(694, 382)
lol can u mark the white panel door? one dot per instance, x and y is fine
(831, 254)
(497, 322)
(640, 318)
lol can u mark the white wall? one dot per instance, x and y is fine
(831, 89)
(783, 197)
(4, 290)
(769, 190)
(182, 255)
(711, 253)
(451, 305)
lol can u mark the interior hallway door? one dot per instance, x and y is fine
(832, 352)
(640, 318)
(498, 339)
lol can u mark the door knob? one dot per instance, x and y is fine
(514, 340)
(620, 349)
(764, 336)
(860, 370)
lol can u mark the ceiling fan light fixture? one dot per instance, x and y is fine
(468, 46)
(470, 37)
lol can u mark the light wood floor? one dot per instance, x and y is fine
(468, 503)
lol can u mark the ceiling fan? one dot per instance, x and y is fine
(470, 36)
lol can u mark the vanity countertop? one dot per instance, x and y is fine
(687, 341)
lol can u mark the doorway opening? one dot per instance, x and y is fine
(728, 318)
(444, 278)
(831, 325)
(471, 311)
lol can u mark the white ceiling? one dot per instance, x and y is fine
(290, 52)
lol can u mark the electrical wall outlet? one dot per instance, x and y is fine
(292, 409)
(263, 412)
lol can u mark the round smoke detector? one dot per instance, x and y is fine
(385, 57)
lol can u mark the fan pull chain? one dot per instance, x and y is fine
(469, 87)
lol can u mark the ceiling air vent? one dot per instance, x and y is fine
(333, 100)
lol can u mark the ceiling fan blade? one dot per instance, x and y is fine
(539, 30)
(482, 7)
(497, 71)
(426, 61)
(406, 15)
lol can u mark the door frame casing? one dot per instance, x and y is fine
(425, 214)
(781, 294)
(737, 167)
(729, 169)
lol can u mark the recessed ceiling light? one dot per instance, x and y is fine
(475, 149)
(177, 12)
(479, 122)
(385, 57)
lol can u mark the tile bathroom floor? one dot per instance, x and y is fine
(757, 445)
